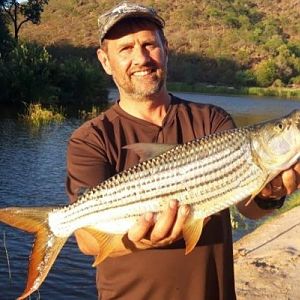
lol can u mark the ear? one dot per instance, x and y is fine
(166, 47)
(103, 58)
(167, 51)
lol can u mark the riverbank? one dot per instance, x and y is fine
(282, 92)
(267, 261)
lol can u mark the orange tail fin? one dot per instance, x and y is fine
(46, 246)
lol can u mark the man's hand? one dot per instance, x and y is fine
(283, 184)
(150, 231)
(160, 230)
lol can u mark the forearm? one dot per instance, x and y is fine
(251, 210)
(273, 194)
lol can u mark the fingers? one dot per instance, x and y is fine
(164, 222)
(297, 173)
(266, 192)
(182, 215)
(283, 184)
(141, 228)
(289, 181)
(162, 229)
(169, 225)
(278, 188)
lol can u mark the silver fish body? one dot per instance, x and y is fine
(210, 174)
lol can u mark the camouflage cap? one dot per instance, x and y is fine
(126, 10)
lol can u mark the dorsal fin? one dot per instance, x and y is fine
(148, 150)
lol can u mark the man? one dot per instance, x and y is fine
(134, 51)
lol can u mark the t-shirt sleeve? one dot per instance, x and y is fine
(220, 120)
(87, 163)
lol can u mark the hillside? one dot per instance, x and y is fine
(214, 39)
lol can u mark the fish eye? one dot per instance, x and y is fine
(279, 125)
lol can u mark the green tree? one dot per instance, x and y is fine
(24, 75)
(79, 82)
(245, 78)
(6, 40)
(266, 73)
(19, 13)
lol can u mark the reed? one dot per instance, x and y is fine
(283, 92)
(7, 256)
(37, 115)
(92, 112)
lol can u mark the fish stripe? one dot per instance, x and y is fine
(182, 177)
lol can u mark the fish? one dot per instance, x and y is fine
(209, 174)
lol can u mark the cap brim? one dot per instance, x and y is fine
(156, 20)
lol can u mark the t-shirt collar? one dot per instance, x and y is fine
(166, 121)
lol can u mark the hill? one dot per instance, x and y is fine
(210, 41)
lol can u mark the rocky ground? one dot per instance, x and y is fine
(267, 261)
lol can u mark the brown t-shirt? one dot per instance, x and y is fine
(95, 152)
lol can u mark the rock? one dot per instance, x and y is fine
(267, 261)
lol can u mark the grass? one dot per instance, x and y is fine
(283, 92)
(37, 115)
(92, 112)
(291, 202)
(243, 226)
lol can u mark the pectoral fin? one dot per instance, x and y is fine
(255, 193)
(107, 243)
(148, 150)
(191, 234)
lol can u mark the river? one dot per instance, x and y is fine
(32, 172)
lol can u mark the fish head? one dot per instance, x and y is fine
(276, 144)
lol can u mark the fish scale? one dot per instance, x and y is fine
(190, 178)
(210, 174)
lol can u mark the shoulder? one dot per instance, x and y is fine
(212, 117)
(96, 126)
(201, 108)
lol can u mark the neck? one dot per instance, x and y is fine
(152, 109)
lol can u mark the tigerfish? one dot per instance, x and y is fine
(209, 174)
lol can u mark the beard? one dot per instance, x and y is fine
(142, 88)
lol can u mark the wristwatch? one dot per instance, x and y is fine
(269, 204)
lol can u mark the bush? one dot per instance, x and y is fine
(7, 42)
(295, 80)
(278, 83)
(29, 73)
(265, 73)
(79, 82)
(245, 78)
(37, 115)
(25, 74)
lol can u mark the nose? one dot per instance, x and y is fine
(140, 56)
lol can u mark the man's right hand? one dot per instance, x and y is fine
(160, 230)
(150, 231)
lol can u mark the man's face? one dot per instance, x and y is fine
(136, 57)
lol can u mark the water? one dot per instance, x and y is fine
(32, 172)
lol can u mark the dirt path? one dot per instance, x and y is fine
(267, 261)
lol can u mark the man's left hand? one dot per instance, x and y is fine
(283, 184)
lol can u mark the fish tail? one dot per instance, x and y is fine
(46, 246)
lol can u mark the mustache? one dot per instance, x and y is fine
(145, 67)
